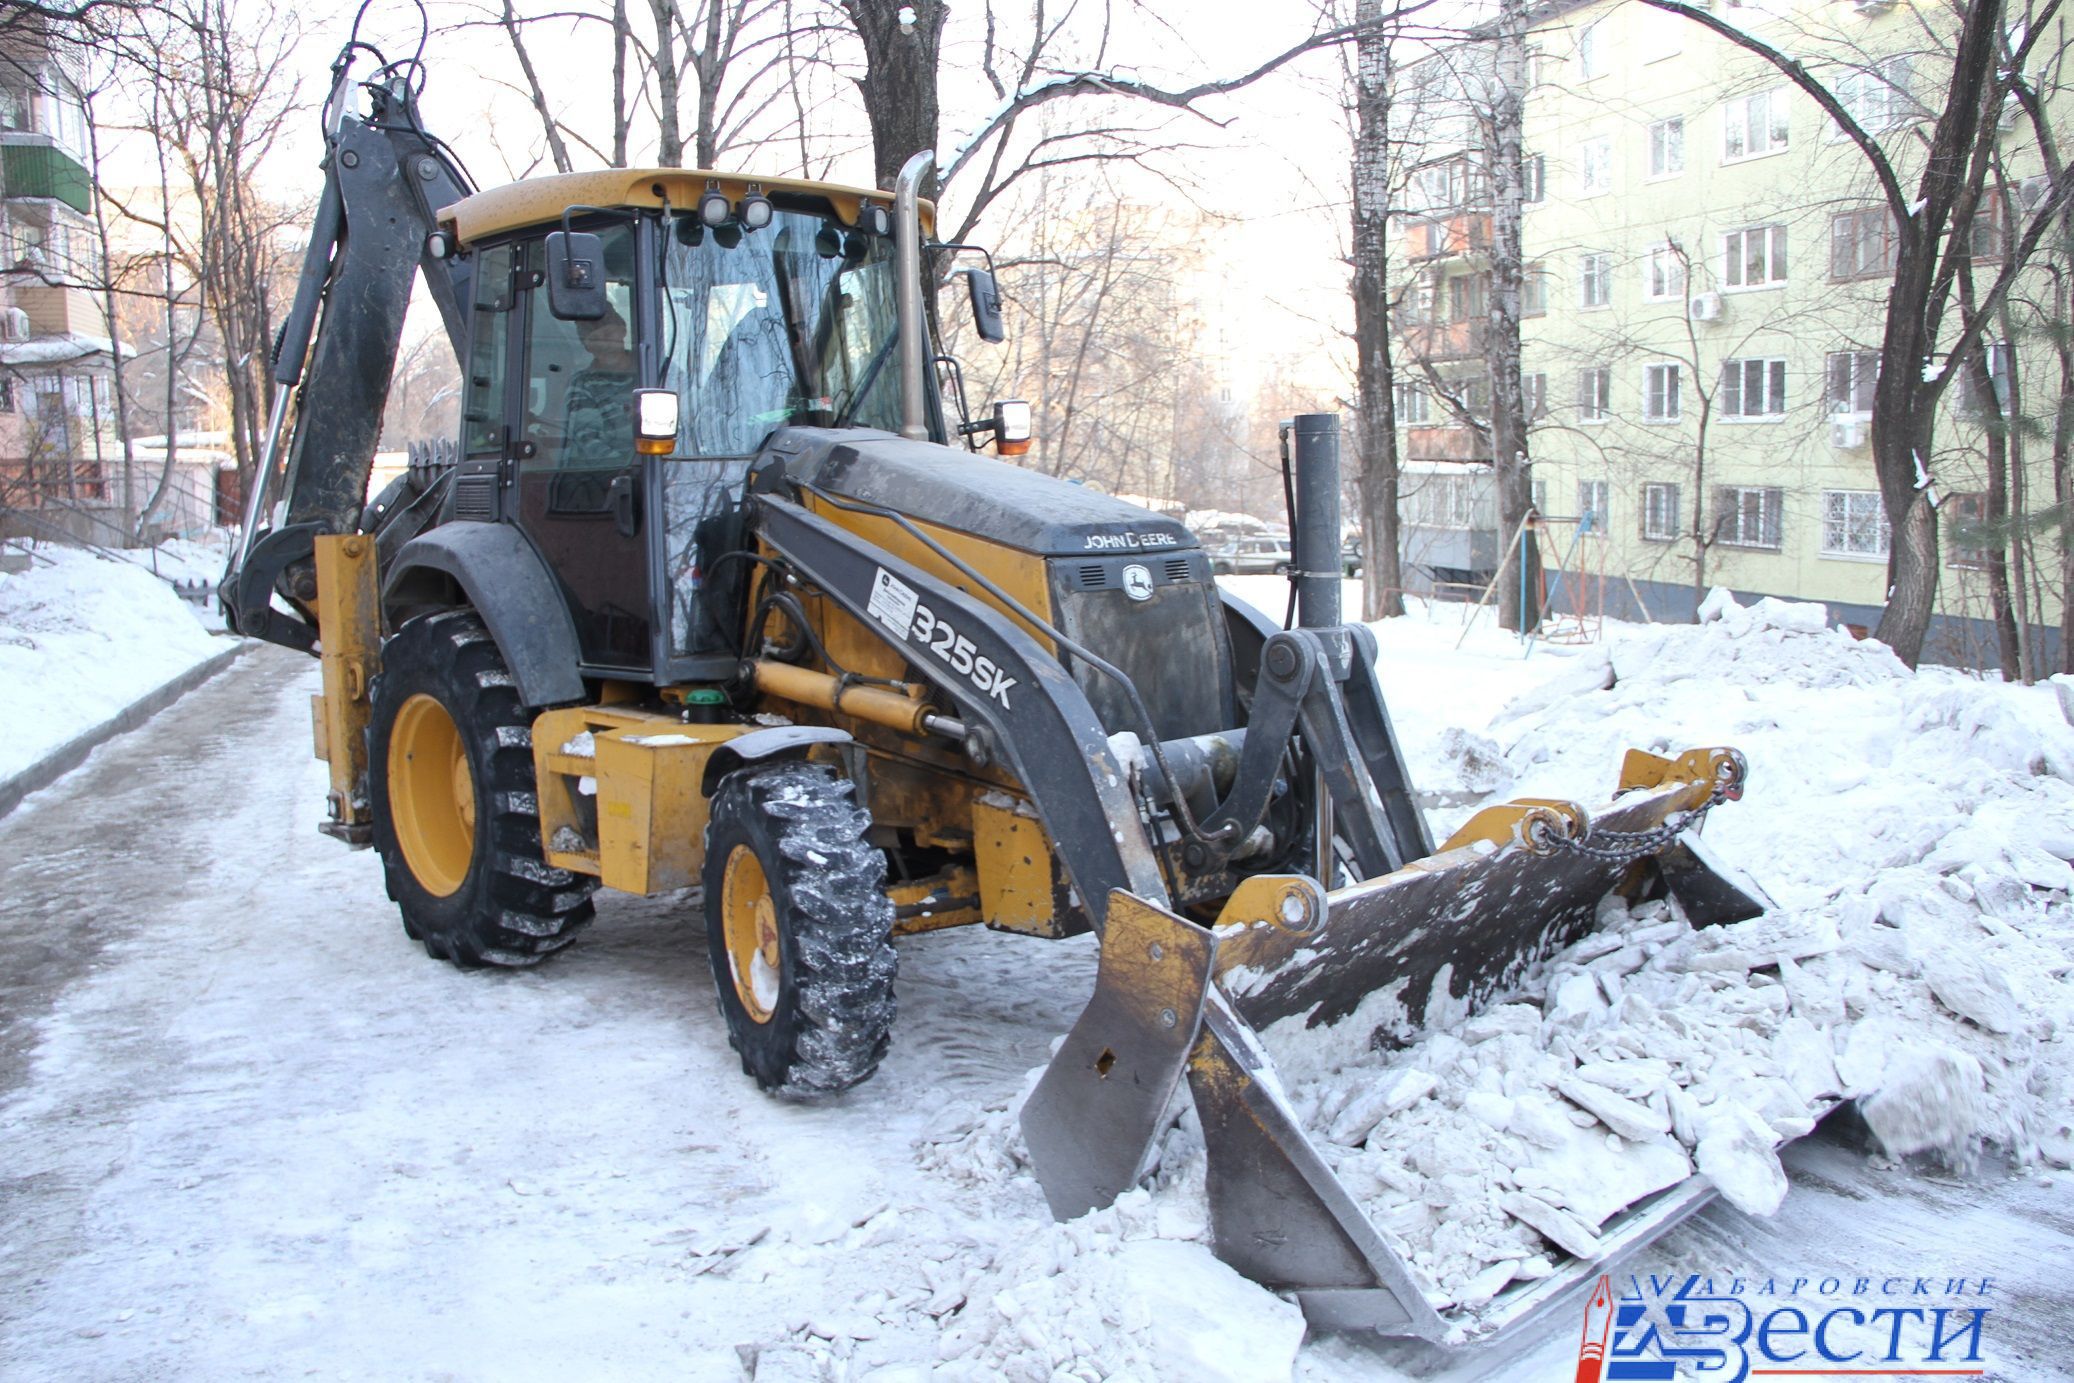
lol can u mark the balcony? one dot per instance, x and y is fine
(1460, 235)
(1444, 341)
(1449, 442)
(34, 168)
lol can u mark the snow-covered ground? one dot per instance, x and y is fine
(82, 637)
(249, 1130)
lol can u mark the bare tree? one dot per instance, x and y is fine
(221, 101)
(1375, 422)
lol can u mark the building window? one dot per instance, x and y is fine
(1854, 524)
(1594, 507)
(1414, 406)
(1595, 160)
(1533, 292)
(1663, 275)
(1753, 388)
(1659, 512)
(1749, 515)
(1591, 54)
(1534, 396)
(1862, 244)
(1660, 393)
(1877, 97)
(6, 393)
(1985, 232)
(1851, 376)
(1449, 185)
(1418, 302)
(1967, 537)
(1753, 126)
(1534, 173)
(1465, 297)
(1473, 393)
(1754, 257)
(1593, 389)
(1595, 280)
(2000, 360)
(1667, 147)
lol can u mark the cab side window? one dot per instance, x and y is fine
(489, 353)
(577, 412)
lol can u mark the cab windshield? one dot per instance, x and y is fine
(791, 324)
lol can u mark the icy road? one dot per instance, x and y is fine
(248, 1130)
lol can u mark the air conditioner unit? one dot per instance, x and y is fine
(1847, 434)
(1704, 307)
(14, 324)
(2031, 192)
(1869, 8)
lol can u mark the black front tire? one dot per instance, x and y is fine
(510, 907)
(827, 1006)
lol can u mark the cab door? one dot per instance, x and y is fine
(579, 478)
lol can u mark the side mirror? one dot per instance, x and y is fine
(986, 304)
(1012, 426)
(576, 275)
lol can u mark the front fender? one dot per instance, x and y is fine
(491, 567)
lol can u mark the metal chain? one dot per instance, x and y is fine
(1624, 847)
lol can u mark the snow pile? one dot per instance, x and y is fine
(1107, 1296)
(1915, 829)
(81, 638)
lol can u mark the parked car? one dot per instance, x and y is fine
(1251, 556)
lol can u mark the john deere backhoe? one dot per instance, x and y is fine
(714, 590)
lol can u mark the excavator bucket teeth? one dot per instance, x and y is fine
(1447, 934)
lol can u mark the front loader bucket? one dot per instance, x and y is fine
(1442, 937)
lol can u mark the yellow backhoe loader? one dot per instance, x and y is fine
(715, 588)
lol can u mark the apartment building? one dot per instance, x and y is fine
(58, 438)
(1707, 265)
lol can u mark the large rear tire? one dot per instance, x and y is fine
(456, 822)
(799, 929)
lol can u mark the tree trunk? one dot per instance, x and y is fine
(899, 86)
(669, 141)
(710, 63)
(1995, 540)
(2063, 457)
(620, 119)
(133, 518)
(1382, 579)
(1501, 346)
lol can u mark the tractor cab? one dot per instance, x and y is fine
(715, 312)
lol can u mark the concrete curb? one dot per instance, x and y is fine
(73, 752)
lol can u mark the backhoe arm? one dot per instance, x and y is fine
(385, 181)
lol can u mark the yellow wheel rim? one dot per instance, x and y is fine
(431, 795)
(749, 926)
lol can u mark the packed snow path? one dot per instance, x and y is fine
(247, 1129)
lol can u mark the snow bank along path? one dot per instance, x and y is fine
(82, 638)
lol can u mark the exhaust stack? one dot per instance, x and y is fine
(1314, 527)
(907, 296)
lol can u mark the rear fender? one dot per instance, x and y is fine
(491, 567)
